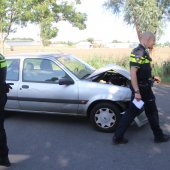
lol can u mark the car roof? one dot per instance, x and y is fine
(36, 55)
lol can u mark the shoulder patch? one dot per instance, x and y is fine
(138, 52)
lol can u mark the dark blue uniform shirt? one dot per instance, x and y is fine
(140, 58)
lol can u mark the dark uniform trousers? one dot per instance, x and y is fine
(151, 112)
(3, 140)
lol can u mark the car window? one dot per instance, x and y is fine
(77, 67)
(13, 69)
(42, 70)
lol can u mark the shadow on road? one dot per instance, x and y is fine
(47, 117)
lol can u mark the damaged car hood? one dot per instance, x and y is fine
(110, 67)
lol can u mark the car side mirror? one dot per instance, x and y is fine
(65, 81)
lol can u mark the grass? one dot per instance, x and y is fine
(98, 57)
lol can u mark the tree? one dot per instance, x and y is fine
(116, 41)
(145, 15)
(49, 12)
(12, 13)
(9, 14)
(46, 13)
(91, 40)
(167, 44)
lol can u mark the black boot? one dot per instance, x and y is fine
(5, 161)
(119, 141)
(163, 138)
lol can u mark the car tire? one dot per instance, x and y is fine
(105, 116)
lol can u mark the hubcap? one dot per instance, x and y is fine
(105, 118)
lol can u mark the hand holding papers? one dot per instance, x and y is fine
(138, 104)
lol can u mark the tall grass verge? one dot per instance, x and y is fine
(162, 69)
(99, 57)
(99, 61)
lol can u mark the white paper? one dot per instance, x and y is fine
(138, 104)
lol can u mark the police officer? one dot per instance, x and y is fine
(141, 82)
(4, 88)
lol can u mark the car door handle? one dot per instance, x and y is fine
(25, 86)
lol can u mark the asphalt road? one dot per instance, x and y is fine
(50, 142)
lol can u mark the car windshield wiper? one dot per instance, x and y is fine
(86, 76)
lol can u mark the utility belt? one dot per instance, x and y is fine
(146, 83)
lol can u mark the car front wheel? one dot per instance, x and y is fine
(105, 116)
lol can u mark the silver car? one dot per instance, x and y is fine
(64, 84)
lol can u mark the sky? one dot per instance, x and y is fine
(102, 25)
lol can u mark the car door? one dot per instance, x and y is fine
(40, 90)
(13, 75)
